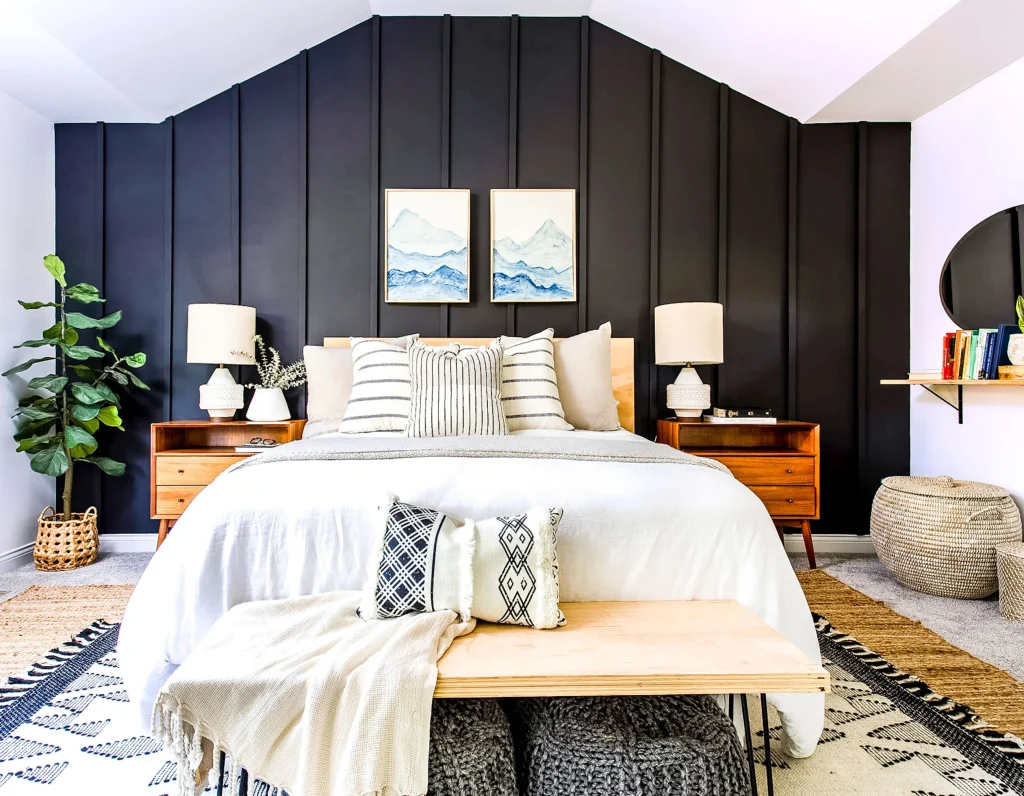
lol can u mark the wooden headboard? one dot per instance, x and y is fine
(622, 368)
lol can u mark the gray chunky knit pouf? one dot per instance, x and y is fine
(471, 751)
(640, 746)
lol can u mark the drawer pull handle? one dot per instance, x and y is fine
(182, 471)
(182, 500)
(789, 500)
(790, 472)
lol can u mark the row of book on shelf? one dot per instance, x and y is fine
(748, 415)
(976, 353)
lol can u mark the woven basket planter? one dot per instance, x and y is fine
(62, 545)
(1010, 562)
(938, 535)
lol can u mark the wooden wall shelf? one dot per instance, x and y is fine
(948, 389)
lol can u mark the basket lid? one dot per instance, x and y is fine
(1015, 549)
(944, 486)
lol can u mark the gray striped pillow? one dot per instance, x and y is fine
(455, 391)
(379, 400)
(529, 387)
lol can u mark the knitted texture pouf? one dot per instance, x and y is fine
(471, 752)
(628, 746)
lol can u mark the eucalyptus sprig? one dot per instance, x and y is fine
(274, 375)
(56, 423)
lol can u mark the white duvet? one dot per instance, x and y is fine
(630, 532)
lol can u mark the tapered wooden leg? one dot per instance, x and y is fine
(805, 529)
(162, 534)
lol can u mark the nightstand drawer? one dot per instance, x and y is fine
(787, 501)
(192, 470)
(173, 500)
(771, 469)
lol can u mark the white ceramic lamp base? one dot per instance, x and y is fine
(688, 396)
(221, 396)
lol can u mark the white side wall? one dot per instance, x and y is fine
(26, 234)
(967, 162)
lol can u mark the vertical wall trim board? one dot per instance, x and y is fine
(862, 294)
(101, 248)
(513, 142)
(303, 191)
(792, 409)
(582, 206)
(446, 131)
(236, 186)
(169, 265)
(655, 270)
(723, 209)
(1018, 226)
(376, 196)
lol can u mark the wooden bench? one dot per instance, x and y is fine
(637, 648)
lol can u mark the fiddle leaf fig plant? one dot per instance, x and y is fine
(57, 421)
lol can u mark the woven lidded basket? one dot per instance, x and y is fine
(1010, 562)
(938, 535)
(63, 545)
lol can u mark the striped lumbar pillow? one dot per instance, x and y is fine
(529, 388)
(455, 391)
(379, 400)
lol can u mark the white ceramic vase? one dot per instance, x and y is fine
(1015, 349)
(268, 405)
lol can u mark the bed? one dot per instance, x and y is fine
(302, 521)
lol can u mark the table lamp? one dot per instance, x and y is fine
(220, 334)
(688, 334)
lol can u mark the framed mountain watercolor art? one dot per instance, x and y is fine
(426, 258)
(533, 245)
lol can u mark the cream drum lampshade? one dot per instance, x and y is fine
(220, 334)
(688, 334)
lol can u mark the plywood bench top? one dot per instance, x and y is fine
(620, 648)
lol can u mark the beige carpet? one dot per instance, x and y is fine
(42, 617)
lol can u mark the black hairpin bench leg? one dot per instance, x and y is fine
(767, 745)
(749, 743)
(769, 778)
(243, 783)
(220, 775)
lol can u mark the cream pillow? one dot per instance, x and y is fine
(328, 385)
(583, 367)
(529, 386)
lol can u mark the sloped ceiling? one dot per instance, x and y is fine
(126, 60)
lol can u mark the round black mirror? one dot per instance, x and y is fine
(981, 278)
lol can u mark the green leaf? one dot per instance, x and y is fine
(109, 466)
(35, 443)
(105, 345)
(80, 321)
(37, 400)
(36, 305)
(81, 351)
(117, 376)
(81, 451)
(84, 371)
(55, 266)
(93, 393)
(51, 461)
(135, 360)
(84, 293)
(90, 425)
(34, 344)
(36, 413)
(54, 333)
(108, 416)
(52, 383)
(33, 429)
(73, 435)
(137, 381)
(26, 365)
(83, 413)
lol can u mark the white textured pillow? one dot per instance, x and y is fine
(501, 570)
(379, 400)
(583, 365)
(529, 384)
(328, 386)
(456, 391)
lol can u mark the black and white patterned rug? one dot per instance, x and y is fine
(66, 728)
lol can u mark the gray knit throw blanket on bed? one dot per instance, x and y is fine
(569, 447)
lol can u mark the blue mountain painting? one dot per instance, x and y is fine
(539, 269)
(425, 263)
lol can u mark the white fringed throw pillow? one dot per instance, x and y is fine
(501, 570)
(529, 385)
(455, 391)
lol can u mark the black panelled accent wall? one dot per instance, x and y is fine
(271, 194)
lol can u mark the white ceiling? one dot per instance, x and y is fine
(142, 60)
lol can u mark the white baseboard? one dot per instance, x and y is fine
(15, 558)
(128, 542)
(844, 543)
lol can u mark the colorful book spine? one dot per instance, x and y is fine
(958, 355)
(972, 353)
(948, 354)
(990, 347)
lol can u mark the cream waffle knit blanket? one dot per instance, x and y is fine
(308, 698)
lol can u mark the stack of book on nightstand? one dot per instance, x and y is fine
(749, 415)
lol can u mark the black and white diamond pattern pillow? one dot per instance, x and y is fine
(501, 570)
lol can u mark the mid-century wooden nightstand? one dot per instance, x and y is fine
(186, 455)
(780, 463)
